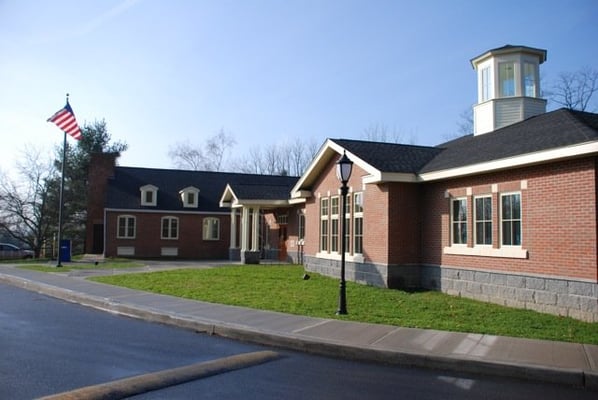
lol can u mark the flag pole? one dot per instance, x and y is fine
(61, 201)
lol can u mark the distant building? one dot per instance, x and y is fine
(506, 215)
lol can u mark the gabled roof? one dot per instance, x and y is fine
(123, 188)
(547, 137)
(259, 192)
(543, 136)
(390, 157)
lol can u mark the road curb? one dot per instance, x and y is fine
(537, 373)
(133, 386)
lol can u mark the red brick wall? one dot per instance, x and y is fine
(559, 220)
(190, 242)
(101, 168)
(404, 223)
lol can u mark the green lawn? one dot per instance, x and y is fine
(281, 288)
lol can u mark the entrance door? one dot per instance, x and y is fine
(97, 246)
(282, 243)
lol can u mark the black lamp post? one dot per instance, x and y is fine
(343, 173)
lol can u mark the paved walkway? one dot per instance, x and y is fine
(546, 361)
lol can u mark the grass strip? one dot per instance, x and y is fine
(281, 288)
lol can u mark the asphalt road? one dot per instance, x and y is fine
(48, 346)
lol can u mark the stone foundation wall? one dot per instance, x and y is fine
(575, 299)
(571, 298)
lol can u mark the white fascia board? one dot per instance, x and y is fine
(165, 212)
(228, 197)
(311, 168)
(316, 166)
(513, 162)
(297, 200)
(301, 194)
(390, 177)
(262, 203)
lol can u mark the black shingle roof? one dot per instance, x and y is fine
(547, 131)
(123, 189)
(390, 157)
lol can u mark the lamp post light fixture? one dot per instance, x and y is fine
(343, 173)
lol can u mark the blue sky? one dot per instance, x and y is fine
(162, 72)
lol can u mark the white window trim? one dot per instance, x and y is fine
(127, 216)
(169, 217)
(357, 258)
(184, 197)
(356, 215)
(149, 189)
(474, 220)
(500, 219)
(327, 219)
(335, 221)
(452, 221)
(203, 234)
(487, 251)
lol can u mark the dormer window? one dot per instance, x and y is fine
(189, 197)
(149, 195)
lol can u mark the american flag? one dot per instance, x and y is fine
(65, 120)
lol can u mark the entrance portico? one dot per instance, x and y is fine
(247, 217)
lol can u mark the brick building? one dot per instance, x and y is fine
(505, 215)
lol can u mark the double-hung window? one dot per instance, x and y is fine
(211, 229)
(334, 224)
(324, 224)
(358, 223)
(347, 215)
(126, 227)
(483, 220)
(459, 221)
(170, 228)
(511, 219)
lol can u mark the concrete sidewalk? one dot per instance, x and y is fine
(539, 360)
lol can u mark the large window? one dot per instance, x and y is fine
(211, 229)
(511, 219)
(170, 228)
(324, 224)
(126, 227)
(348, 224)
(506, 83)
(459, 221)
(486, 84)
(530, 80)
(334, 221)
(483, 220)
(301, 231)
(358, 223)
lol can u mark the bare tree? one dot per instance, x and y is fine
(27, 210)
(575, 89)
(278, 159)
(209, 157)
(378, 132)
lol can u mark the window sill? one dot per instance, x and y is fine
(358, 258)
(485, 251)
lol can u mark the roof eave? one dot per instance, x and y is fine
(540, 157)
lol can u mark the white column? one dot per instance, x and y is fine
(256, 229)
(245, 230)
(233, 228)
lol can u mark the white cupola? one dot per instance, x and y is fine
(508, 87)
